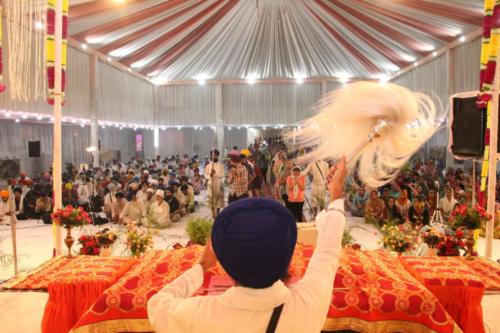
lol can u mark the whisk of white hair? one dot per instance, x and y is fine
(378, 125)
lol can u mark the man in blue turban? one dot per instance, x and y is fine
(253, 239)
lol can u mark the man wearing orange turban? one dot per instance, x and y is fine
(4, 207)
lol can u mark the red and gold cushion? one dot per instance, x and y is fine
(77, 269)
(373, 292)
(487, 270)
(457, 287)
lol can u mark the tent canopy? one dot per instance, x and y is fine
(262, 39)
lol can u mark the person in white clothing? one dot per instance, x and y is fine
(253, 239)
(83, 194)
(159, 214)
(214, 174)
(318, 170)
(447, 203)
(143, 193)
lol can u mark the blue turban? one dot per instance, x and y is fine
(254, 241)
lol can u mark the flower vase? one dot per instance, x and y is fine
(469, 245)
(106, 251)
(69, 240)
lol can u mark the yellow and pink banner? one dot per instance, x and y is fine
(51, 48)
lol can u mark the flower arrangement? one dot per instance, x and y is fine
(347, 238)
(397, 238)
(431, 238)
(139, 240)
(469, 217)
(90, 245)
(199, 230)
(451, 245)
(71, 217)
(105, 238)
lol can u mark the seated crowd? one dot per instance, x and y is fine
(413, 196)
(158, 192)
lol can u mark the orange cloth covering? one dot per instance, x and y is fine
(456, 285)
(73, 284)
(373, 293)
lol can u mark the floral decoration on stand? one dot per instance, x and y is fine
(89, 245)
(139, 240)
(398, 238)
(470, 219)
(452, 244)
(69, 218)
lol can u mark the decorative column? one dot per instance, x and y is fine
(219, 120)
(94, 126)
(156, 140)
(450, 60)
(57, 167)
(323, 87)
(156, 129)
(492, 164)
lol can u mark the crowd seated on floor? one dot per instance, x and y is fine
(413, 197)
(161, 191)
(153, 193)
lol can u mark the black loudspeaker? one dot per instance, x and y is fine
(34, 148)
(468, 128)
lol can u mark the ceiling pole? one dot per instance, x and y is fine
(219, 119)
(156, 129)
(492, 167)
(450, 61)
(323, 87)
(94, 126)
(57, 166)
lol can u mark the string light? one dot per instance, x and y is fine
(84, 46)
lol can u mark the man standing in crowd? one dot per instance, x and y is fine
(318, 170)
(238, 179)
(214, 174)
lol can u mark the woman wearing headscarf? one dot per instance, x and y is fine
(374, 208)
(254, 239)
(403, 204)
(419, 213)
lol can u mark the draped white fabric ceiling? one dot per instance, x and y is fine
(231, 39)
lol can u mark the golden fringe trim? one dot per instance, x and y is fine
(331, 324)
(117, 325)
(379, 326)
(11, 284)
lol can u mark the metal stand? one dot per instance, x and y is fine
(437, 218)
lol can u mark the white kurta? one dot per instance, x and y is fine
(319, 171)
(215, 199)
(133, 212)
(244, 310)
(159, 215)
